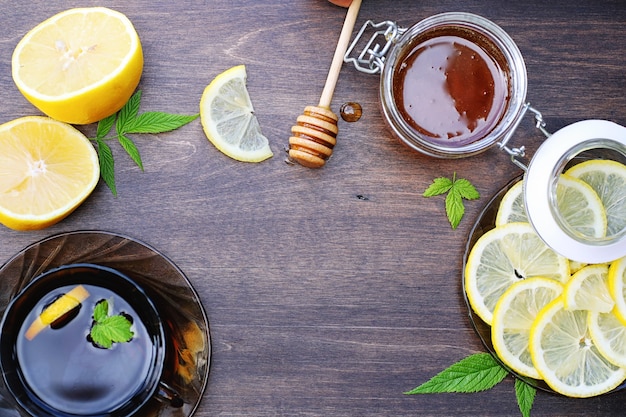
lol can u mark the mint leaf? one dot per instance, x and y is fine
(158, 122)
(478, 372)
(104, 126)
(457, 190)
(454, 207)
(439, 186)
(466, 189)
(107, 166)
(101, 310)
(112, 329)
(126, 121)
(106, 329)
(130, 149)
(525, 396)
(128, 112)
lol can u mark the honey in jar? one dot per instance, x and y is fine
(451, 86)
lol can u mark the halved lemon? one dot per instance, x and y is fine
(228, 118)
(588, 289)
(565, 355)
(513, 317)
(504, 256)
(47, 168)
(80, 65)
(608, 179)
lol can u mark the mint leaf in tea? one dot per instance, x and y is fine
(107, 329)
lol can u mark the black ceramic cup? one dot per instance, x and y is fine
(60, 368)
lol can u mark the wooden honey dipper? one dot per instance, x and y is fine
(315, 132)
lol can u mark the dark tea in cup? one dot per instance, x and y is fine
(82, 340)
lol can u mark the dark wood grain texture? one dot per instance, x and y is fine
(329, 292)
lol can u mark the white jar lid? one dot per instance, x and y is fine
(540, 183)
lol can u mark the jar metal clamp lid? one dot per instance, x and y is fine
(384, 51)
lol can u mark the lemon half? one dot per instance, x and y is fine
(47, 168)
(80, 65)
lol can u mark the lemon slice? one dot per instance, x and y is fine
(513, 317)
(504, 256)
(80, 65)
(608, 179)
(228, 118)
(577, 202)
(47, 168)
(581, 207)
(56, 310)
(609, 335)
(617, 287)
(588, 289)
(512, 208)
(565, 355)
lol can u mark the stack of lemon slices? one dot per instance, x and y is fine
(552, 318)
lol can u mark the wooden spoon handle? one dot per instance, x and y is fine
(340, 51)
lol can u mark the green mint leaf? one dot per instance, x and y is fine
(525, 396)
(126, 121)
(101, 310)
(439, 186)
(106, 329)
(112, 329)
(478, 372)
(454, 207)
(457, 190)
(107, 166)
(466, 189)
(130, 149)
(104, 126)
(158, 122)
(128, 112)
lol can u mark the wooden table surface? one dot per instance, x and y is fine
(329, 292)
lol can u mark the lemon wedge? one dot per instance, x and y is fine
(47, 169)
(62, 305)
(228, 118)
(80, 65)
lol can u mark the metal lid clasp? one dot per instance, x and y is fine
(371, 59)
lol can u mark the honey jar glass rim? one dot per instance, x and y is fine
(515, 70)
